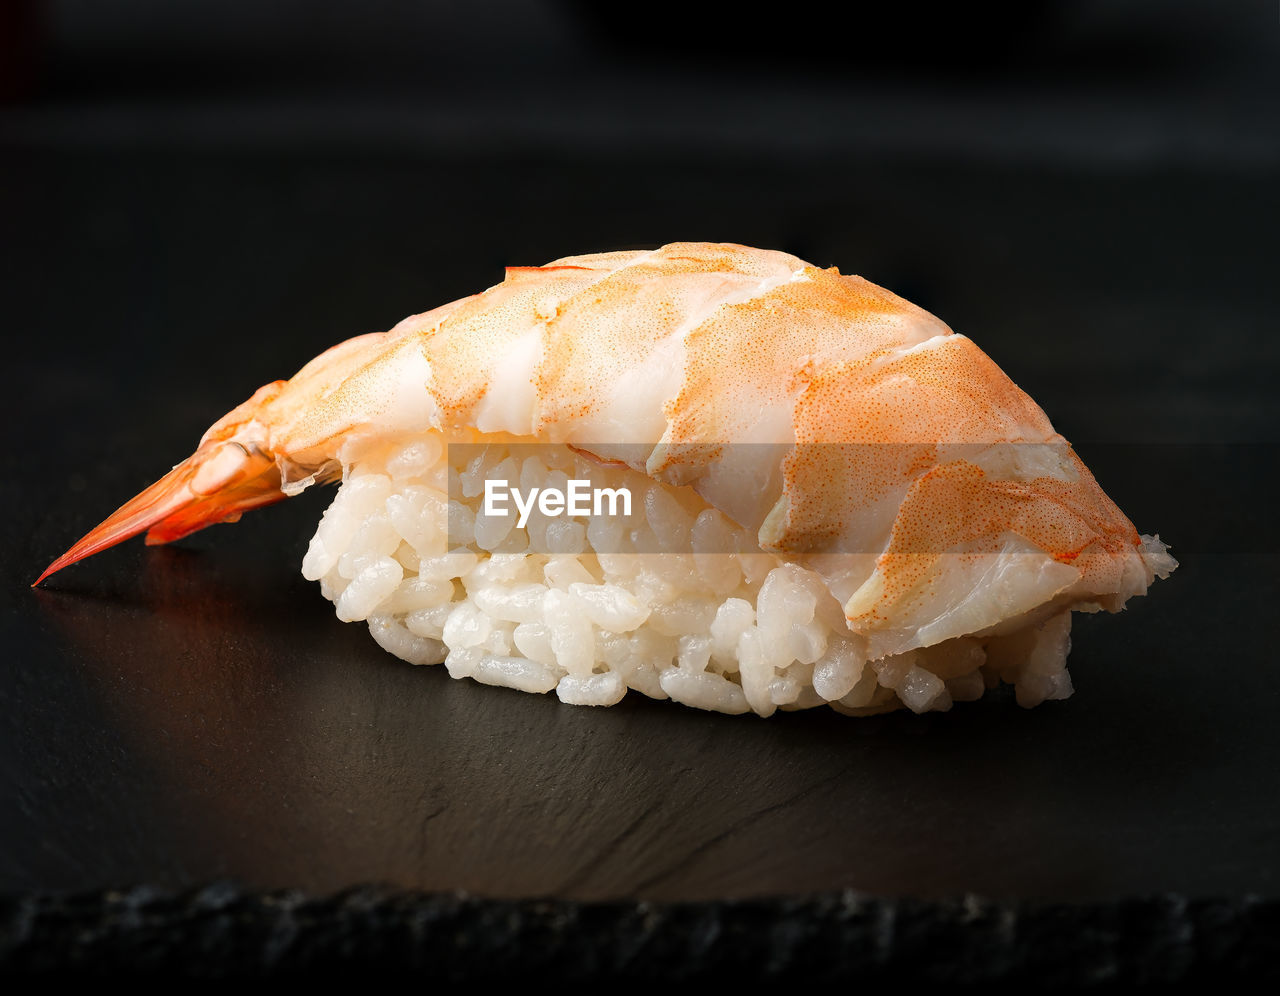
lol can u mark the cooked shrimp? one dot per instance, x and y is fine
(906, 524)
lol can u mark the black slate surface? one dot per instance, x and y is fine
(181, 714)
(221, 934)
(195, 714)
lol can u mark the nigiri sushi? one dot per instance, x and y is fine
(706, 472)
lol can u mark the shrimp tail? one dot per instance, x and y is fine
(217, 483)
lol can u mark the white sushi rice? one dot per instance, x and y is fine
(566, 604)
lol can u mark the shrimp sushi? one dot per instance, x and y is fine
(707, 472)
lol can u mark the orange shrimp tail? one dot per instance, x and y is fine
(217, 483)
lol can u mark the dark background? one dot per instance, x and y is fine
(196, 198)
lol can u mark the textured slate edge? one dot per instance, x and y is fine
(223, 931)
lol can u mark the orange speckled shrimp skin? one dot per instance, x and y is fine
(867, 429)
